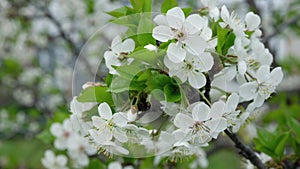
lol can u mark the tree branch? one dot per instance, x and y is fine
(246, 151)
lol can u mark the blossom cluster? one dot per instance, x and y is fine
(219, 56)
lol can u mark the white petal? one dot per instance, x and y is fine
(61, 160)
(183, 121)
(194, 23)
(162, 33)
(217, 125)
(266, 58)
(180, 73)
(56, 129)
(116, 44)
(161, 20)
(225, 14)
(232, 102)
(259, 100)
(105, 111)
(170, 64)
(206, 62)
(252, 21)
(263, 73)
(248, 90)
(217, 109)
(175, 18)
(242, 67)
(119, 119)
(175, 53)
(196, 79)
(196, 44)
(128, 46)
(98, 122)
(214, 13)
(276, 76)
(200, 112)
(120, 135)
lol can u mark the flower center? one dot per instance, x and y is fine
(252, 63)
(200, 126)
(265, 89)
(122, 56)
(180, 35)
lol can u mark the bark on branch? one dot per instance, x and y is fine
(246, 151)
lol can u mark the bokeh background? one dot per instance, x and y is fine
(40, 44)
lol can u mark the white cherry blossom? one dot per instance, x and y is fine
(50, 161)
(212, 8)
(118, 53)
(79, 149)
(191, 69)
(63, 134)
(252, 21)
(203, 125)
(262, 87)
(185, 30)
(109, 125)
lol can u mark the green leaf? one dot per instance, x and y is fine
(295, 126)
(228, 43)
(157, 81)
(144, 55)
(96, 94)
(90, 4)
(187, 11)
(281, 142)
(172, 93)
(96, 163)
(119, 12)
(222, 37)
(144, 30)
(141, 5)
(168, 4)
(120, 84)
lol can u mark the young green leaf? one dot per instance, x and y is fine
(96, 94)
(168, 4)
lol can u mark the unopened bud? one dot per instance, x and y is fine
(132, 114)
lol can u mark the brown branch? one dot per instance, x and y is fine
(246, 151)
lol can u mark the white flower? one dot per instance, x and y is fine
(50, 161)
(263, 86)
(63, 134)
(236, 24)
(228, 109)
(185, 31)
(252, 21)
(109, 125)
(105, 144)
(203, 125)
(212, 8)
(241, 120)
(249, 61)
(117, 55)
(191, 69)
(79, 149)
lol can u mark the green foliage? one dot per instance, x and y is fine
(168, 4)
(96, 94)
(271, 143)
(225, 39)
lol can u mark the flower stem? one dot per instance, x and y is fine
(246, 151)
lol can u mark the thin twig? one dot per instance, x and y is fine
(246, 151)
